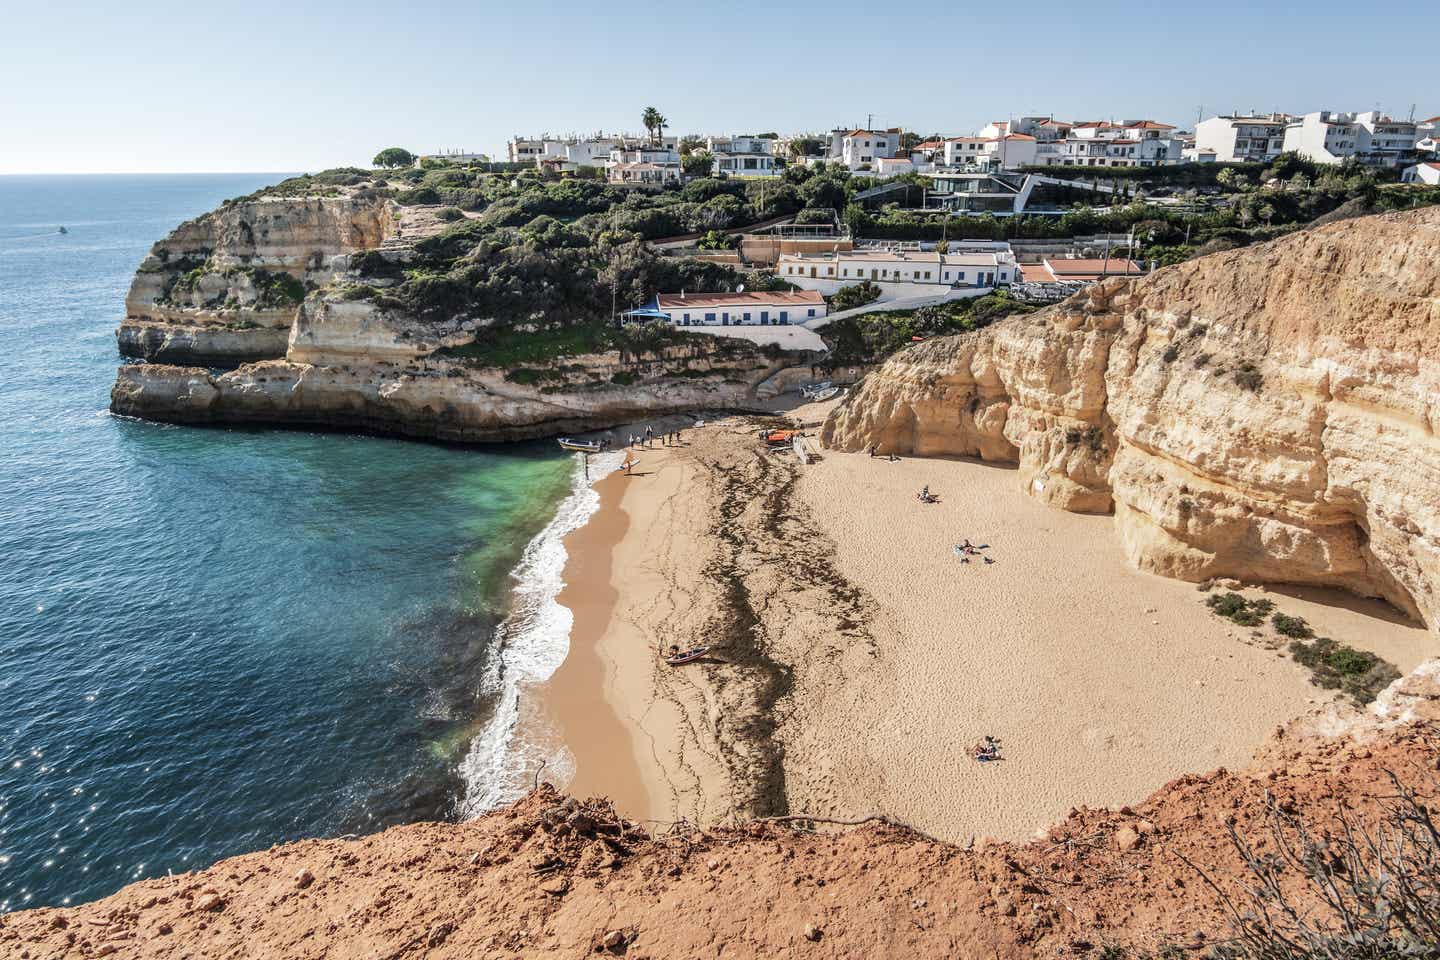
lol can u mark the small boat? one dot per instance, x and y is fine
(580, 446)
(686, 656)
(778, 438)
(814, 388)
(63, 230)
(825, 394)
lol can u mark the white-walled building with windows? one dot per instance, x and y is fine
(859, 149)
(1371, 138)
(761, 308)
(1240, 138)
(899, 273)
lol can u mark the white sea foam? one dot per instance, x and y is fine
(532, 643)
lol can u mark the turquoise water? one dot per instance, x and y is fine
(215, 640)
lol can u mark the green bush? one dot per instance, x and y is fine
(1234, 607)
(1335, 666)
(450, 214)
(855, 295)
(1293, 627)
(417, 196)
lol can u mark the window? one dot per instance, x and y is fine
(927, 274)
(747, 316)
(709, 318)
(812, 312)
(687, 319)
(784, 318)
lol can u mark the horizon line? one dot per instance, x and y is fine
(140, 173)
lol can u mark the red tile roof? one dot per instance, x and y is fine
(672, 301)
(1149, 125)
(1017, 136)
(1075, 269)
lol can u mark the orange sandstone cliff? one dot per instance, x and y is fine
(1266, 413)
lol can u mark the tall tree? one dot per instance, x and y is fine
(393, 157)
(655, 123)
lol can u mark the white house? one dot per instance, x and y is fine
(760, 308)
(1428, 173)
(859, 149)
(975, 193)
(1370, 138)
(744, 156)
(899, 273)
(644, 166)
(1240, 138)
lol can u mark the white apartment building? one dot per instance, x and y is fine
(899, 273)
(1242, 138)
(1133, 143)
(1371, 138)
(567, 153)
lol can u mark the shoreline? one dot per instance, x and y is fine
(577, 696)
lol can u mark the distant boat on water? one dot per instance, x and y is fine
(63, 230)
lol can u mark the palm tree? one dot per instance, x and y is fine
(654, 122)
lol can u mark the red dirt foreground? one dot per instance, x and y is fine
(553, 877)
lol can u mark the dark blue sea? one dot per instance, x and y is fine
(215, 640)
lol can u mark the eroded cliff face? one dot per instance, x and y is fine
(223, 288)
(1266, 413)
(438, 398)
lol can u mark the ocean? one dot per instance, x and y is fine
(215, 640)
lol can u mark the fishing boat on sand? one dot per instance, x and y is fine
(778, 438)
(581, 446)
(809, 392)
(825, 394)
(676, 656)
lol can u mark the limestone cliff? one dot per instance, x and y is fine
(1266, 413)
(438, 398)
(223, 288)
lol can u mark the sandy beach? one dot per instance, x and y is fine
(857, 659)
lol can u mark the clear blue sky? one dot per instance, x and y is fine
(201, 86)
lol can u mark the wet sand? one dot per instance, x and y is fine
(578, 695)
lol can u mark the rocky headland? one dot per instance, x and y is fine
(272, 310)
(1267, 413)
